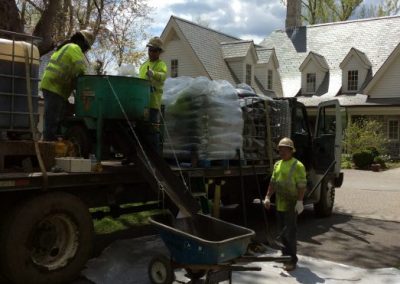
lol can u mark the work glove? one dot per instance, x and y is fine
(150, 73)
(299, 207)
(267, 202)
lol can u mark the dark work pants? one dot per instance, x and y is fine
(54, 111)
(153, 136)
(287, 226)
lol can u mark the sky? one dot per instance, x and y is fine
(248, 19)
(251, 19)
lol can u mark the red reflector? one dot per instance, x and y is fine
(21, 182)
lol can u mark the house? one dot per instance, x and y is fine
(356, 62)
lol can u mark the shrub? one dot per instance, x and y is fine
(379, 160)
(363, 159)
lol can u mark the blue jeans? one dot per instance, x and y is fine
(54, 111)
(287, 226)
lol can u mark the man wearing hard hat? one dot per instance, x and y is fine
(289, 182)
(155, 70)
(66, 63)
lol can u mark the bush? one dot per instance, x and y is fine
(363, 159)
(379, 160)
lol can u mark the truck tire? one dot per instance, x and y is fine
(47, 239)
(324, 207)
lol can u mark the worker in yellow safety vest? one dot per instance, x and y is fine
(154, 70)
(289, 182)
(66, 64)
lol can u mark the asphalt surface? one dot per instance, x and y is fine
(362, 235)
(365, 227)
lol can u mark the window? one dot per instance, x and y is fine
(248, 74)
(393, 131)
(352, 80)
(269, 86)
(310, 87)
(174, 68)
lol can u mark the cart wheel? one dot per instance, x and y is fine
(194, 274)
(160, 270)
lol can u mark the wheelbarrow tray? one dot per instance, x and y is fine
(202, 239)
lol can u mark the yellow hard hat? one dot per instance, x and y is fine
(88, 36)
(287, 142)
(155, 42)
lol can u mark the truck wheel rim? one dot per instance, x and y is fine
(158, 272)
(54, 242)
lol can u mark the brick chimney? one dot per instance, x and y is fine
(293, 14)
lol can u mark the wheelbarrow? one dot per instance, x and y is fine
(203, 246)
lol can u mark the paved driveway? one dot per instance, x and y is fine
(370, 194)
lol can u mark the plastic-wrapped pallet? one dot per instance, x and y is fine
(202, 117)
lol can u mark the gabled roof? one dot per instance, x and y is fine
(205, 43)
(377, 37)
(393, 56)
(236, 49)
(318, 59)
(267, 54)
(359, 54)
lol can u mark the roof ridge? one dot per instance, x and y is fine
(204, 27)
(353, 21)
(237, 41)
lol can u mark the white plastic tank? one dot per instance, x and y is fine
(14, 111)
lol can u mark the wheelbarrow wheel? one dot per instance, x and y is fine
(194, 274)
(160, 270)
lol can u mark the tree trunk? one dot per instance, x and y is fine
(45, 26)
(9, 17)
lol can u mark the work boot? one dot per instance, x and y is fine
(289, 266)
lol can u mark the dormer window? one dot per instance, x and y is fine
(314, 71)
(311, 80)
(355, 69)
(248, 74)
(352, 80)
(270, 80)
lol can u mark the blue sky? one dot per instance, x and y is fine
(250, 19)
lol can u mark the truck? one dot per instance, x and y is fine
(46, 223)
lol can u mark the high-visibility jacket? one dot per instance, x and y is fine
(157, 81)
(287, 177)
(65, 65)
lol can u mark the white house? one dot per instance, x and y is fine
(356, 62)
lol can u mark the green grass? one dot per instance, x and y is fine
(110, 225)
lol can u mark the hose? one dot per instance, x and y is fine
(32, 127)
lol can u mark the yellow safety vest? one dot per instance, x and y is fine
(157, 82)
(65, 65)
(286, 178)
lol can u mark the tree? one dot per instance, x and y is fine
(9, 17)
(384, 8)
(323, 11)
(117, 24)
(364, 134)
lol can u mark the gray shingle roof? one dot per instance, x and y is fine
(235, 49)
(375, 37)
(205, 42)
(264, 54)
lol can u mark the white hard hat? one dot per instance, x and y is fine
(88, 36)
(287, 142)
(155, 42)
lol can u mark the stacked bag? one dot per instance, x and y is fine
(202, 118)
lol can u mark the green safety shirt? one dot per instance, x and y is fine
(65, 65)
(157, 81)
(287, 177)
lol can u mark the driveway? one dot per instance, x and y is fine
(370, 194)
